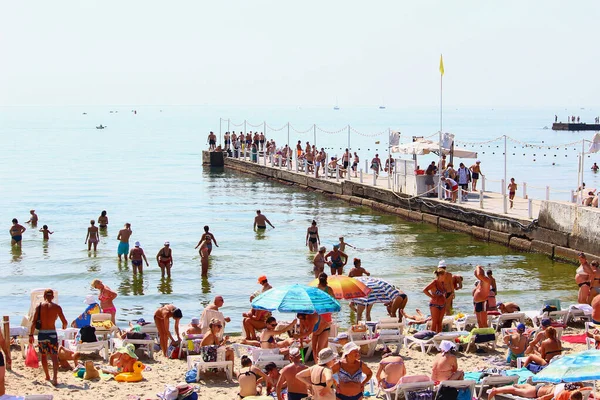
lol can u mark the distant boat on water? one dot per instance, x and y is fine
(382, 107)
(101, 126)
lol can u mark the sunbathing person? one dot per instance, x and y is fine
(391, 370)
(249, 378)
(534, 346)
(550, 348)
(267, 337)
(445, 365)
(517, 343)
(64, 356)
(508, 307)
(541, 391)
(418, 319)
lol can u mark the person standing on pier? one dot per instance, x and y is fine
(346, 159)
(227, 139)
(355, 164)
(261, 140)
(212, 141)
(475, 172)
(464, 177)
(376, 165)
(512, 190)
(480, 296)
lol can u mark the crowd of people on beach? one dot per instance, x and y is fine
(262, 330)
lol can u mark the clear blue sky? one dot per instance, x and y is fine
(509, 53)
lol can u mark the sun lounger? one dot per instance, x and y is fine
(491, 381)
(390, 331)
(144, 344)
(99, 346)
(513, 318)
(459, 385)
(427, 344)
(408, 384)
(468, 321)
(580, 311)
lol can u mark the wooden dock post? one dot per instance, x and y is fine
(6, 334)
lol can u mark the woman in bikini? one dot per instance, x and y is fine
(212, 339)
(103, 220)
(249, 377)
(267, 339)
(164, 258)
(319, 378)
(92, 236)
(315, 325)
(106, 297)
(550, 348)
(162, 318)
(391, 370)
(583, 277)
(437, 305)
(205, 247)
(212, 238)
(396, 306)
(350, 370)
(312, 237)
(324, 286)
(338, 260)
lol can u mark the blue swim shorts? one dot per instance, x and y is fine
(123, 248)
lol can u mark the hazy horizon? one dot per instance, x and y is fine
(265, 53)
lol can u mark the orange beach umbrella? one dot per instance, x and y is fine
(345, 287)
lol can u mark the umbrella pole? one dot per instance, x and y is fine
(301, 351)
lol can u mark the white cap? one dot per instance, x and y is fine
(446, 346)
(349, 348)
(294, 352)
(89, 299)
(442, 264)
(137, 244)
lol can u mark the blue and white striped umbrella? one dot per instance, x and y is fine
(381, 291)
(296, 299)
(577, 367)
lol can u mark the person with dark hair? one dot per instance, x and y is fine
(338, 260)
(397, 305)
(248, 378)
(358, 270)
(47, 313)
(123, 238)
(317, 327)
(312, 237)
(480, 296)
(212, 238)
(323, 284)
(46, 232)
(162, 318)
(319, 377)
(437, 305)
(267, 340)
(16, 233)
(584, 275)
(103, 220)
(164, 258)
(272, 372)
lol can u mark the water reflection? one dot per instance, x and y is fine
(122, 266)
(131, 285)
(165, 286)
(94, 266)
(103, 232)
(206, 285)
(17, 253)
(45, 249)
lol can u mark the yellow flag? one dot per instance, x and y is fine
(441, 65)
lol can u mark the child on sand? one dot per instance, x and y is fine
(46, 232)
(512, 190)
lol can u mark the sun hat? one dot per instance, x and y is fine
(262, 278)
(341, 336)
(195, 321)
(446, 346)
(167, 243)
(89, 300)
(137, 244)
(521, 327)
(141, 321)
(349, 348)
(477, 162)
(546, 322)
(326, 355)
(442, 264)
(294, 352)
(128, 349)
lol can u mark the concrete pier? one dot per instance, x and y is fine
(557, 229)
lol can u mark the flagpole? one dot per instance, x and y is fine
(440, 135)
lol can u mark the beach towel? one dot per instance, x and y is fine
(473, 376)
(522, 373)
(574, 338)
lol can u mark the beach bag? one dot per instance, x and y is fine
(170, 393)
(173, 352)
(32, 359)
(191, 375)
(426, 394)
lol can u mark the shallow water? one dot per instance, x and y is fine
(148, 172)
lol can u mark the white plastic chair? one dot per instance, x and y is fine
(101, 331)
(201, 365)
(427, 344)
(145, 344)
(390, 332)
(101, 345)
(514, 318)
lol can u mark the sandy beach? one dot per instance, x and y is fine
(24, 381)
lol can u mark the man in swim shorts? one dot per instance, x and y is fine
(480, 296)
(137, 257)
(212, 141)
(16, 233)
(475, 172)
(123, 238)
(260, 221)
(47, 313)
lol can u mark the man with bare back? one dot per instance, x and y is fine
(123, 238)
(480, 296)
(47, 313)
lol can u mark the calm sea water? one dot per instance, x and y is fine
(146, 169)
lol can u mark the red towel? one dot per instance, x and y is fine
(574, 338)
